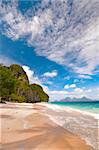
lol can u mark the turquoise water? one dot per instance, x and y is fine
(85, 106)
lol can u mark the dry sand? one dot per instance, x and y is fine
(24, 127)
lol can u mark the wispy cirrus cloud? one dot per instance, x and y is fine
(66, 32)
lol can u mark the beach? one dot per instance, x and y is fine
(39, 126)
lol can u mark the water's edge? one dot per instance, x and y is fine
(82, 123)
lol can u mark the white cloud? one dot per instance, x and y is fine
(33, 78)
(58, 92)
(85, 76)
(59, 31)
(72, 85)
(51, 74)
(67, 86)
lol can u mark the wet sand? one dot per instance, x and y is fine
(26, 127)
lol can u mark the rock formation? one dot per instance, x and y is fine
(15, 87)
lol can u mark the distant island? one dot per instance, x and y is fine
(82, 99)
(15, 87)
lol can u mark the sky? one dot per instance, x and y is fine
(56, 42)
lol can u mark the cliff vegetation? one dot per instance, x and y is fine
(15, 87)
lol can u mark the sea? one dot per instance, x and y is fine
(92, 107)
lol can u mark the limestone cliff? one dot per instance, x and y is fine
(14, 86)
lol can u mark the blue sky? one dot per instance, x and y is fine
(56, 42)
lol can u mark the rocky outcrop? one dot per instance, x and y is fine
(19, 73)
(40, 92)
(15, 86)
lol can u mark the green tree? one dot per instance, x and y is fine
(8, 82)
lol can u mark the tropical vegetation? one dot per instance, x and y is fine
(15, 87)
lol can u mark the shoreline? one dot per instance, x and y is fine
(30, 121)
(67, 108)
(90, 120)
